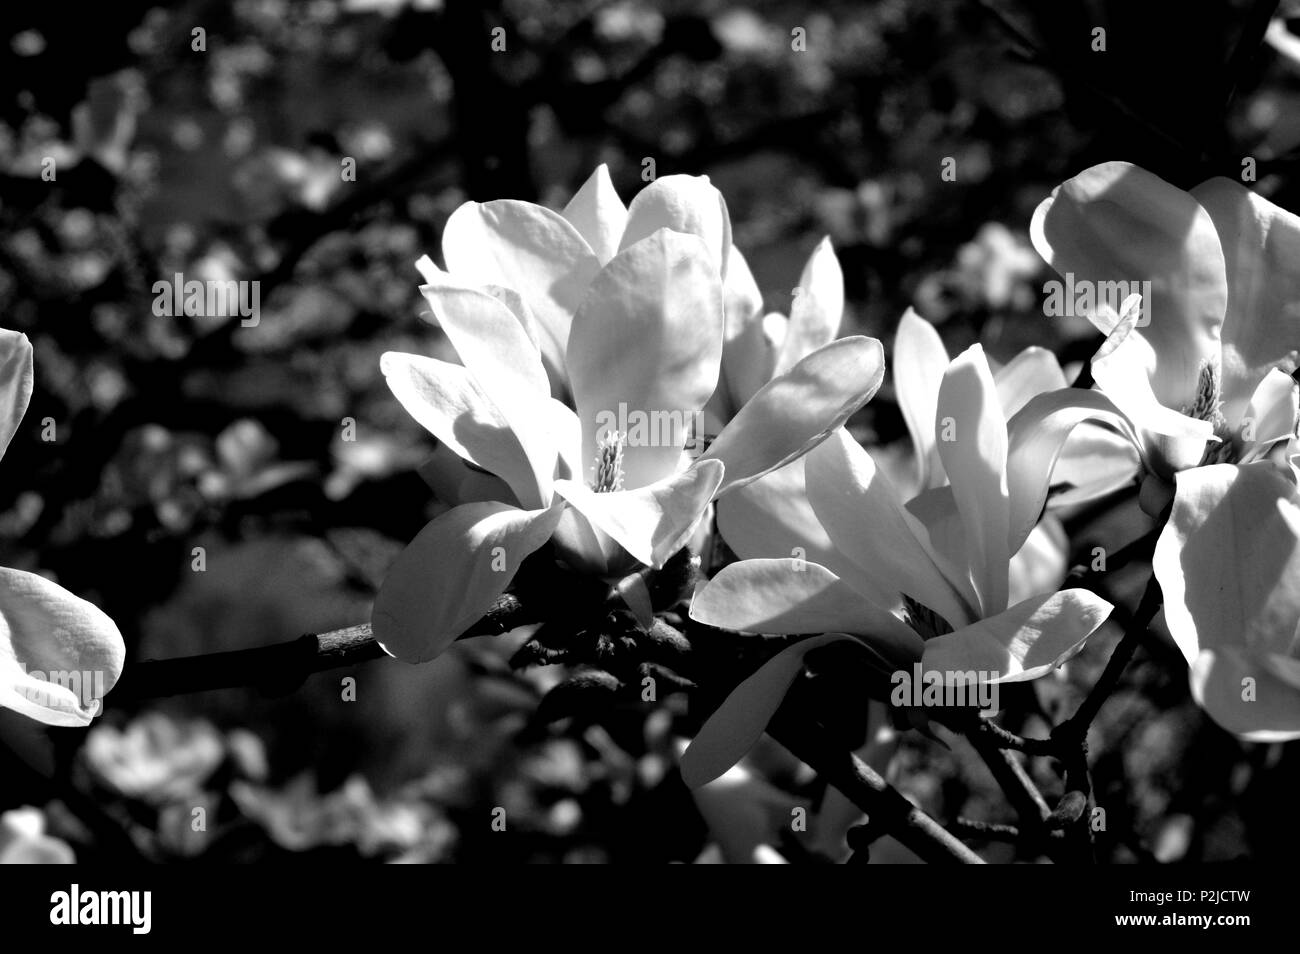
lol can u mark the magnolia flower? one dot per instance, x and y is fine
(603, 470)
(1208, 356)
(59, 654)
(1203, 378)
(880, 582)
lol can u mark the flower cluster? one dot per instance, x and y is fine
(570, 324)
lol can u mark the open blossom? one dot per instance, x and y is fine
(880, 581)
(1206, 393)
(59, 653)
(1209, 358)
(567, 327)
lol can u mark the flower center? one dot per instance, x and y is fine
(608, 475)
(1208, 406)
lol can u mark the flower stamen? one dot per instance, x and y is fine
(608, 469)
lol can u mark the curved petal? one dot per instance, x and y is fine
(496, 351)
(1228, 560)
(748, 357)
(1242, 695)
(771, 518)
(919, 362)
(1095, 461)
(862, 514)
(1261, 250)
(1041, 564)
(646, 347)
(15, 383)
(796, 411)
(1033, 372)
(1172, 440)
(433, 275)
(59, 654)
(445, 399)
(530, 249)
(598, 214)
(975, 459)
(1272, 414)
(449, 575)
(1027, 641)
(455, 481)
(1116, 222)
(797, 597)
(1035, 437)
(743, 716)
(817, 308)
(653, 522)
(689, 204)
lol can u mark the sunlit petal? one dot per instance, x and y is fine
(15, 383)
(445, 399)
(974, 455)
(59, 653)
(798, 409)
(530, 249)
(1027, 641)
(598, 214)
(743, 716)
(1116, 222)
(865, 520)
(817, 307)
(1228, 560)
(687, 204)
(449, 575)
(1261, 250)
(647, 342)
(492, 344)
(919, 362)
(652, 522)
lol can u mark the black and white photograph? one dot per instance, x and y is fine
(644, 432)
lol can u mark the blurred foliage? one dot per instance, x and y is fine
(277, 449)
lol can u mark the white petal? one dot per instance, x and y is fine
(1228, 560)
(743, 716)
(796, 410)
(1271, 415)
(817, 308)
(527, 248)
(15, 383)
(865, 520)
(492, 344)
(1243, 695)
(646, 346)
(653, 522)
(598, 214)
(920, 360)
(449, 575)
(445, 399)
(57, 651)
(1116, 222)
(1027, 641)
(689, 204)
(797, 597)
(975, 459)
(1033, 372)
